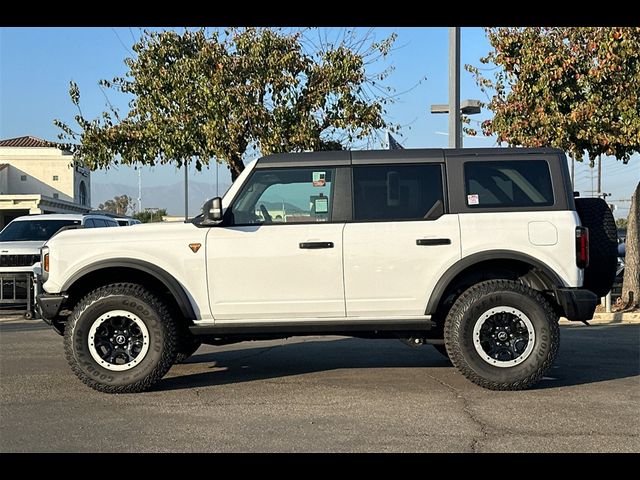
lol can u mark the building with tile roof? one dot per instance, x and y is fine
(36, 176)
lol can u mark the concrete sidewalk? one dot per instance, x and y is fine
(609, 318)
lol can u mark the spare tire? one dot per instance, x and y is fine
(596, 215)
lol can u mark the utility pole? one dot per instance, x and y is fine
(186, 191)
(140, 189)
(455, 127)
(573, 173)
(599, 175)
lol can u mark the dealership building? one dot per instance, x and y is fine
(38, 177)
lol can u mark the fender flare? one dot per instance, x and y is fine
(476, 258)
(168, 280)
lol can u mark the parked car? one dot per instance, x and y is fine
(126, 221)
(21, 239)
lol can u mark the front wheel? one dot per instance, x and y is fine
(502, 335)
(120, 338)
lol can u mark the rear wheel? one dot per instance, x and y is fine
(502, 335)
(120, 338)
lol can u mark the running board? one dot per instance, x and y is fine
(315, 327)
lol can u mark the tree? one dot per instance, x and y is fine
(631, 280)
(621, 222)
(120, 204)
(197, 96)
(574, 88)
(151, 216)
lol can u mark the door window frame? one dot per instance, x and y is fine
(457, 195)
(340, 189)
(443, 180)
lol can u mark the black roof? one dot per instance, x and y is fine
(354, 157)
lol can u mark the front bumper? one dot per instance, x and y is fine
(577, 304)
(49, 305)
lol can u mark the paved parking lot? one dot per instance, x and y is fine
(323, 394)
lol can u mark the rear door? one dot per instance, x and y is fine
(515, 203)
(401, 238)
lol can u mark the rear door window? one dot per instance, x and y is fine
(397, 192)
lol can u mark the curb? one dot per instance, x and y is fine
(608, 319)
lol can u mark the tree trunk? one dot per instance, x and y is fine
(631, 281)
(236, 166)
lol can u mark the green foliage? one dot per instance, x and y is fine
(574, 88)
(621, 222)
(151, 216)
(122, 205)
(198, 96)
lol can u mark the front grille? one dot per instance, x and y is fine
(18, 260)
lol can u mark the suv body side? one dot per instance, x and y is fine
(378, 269)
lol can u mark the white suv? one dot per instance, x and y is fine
(22, 238)
(477, 252)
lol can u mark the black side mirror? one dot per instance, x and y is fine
(212, 211)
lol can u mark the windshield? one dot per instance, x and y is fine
(35, 230)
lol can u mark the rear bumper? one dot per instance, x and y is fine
(577, 304)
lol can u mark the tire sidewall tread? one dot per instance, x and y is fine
(463, 316)
(162, 335)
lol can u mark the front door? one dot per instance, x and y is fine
(278, 254)
(400, 241)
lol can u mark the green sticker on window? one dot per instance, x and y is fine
(322, 205)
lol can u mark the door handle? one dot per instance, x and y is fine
(314, 245)
(433, 241)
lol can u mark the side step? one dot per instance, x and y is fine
(314, 327)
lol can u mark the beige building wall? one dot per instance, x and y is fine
(46, 171)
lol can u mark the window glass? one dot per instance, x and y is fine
(291, 195)
(31, 230)
(99, 222)
(523, 183)
(88, 223)
(397, 192)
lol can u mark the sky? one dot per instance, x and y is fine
(36, 65)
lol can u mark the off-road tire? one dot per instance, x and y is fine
(151, 311)
(596, 215)
(460, 322)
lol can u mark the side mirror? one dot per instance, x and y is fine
(212, 211)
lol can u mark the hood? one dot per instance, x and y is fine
(18, 248)
(132, 233)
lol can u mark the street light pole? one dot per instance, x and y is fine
(455, 127)
(186, 191)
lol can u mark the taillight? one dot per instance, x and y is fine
(45, 264)
(582, 247)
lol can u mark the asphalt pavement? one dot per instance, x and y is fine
(318, 394)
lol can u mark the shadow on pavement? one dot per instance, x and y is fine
(587, 355)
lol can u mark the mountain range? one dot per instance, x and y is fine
(170, 197)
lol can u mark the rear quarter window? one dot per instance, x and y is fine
(498, 184)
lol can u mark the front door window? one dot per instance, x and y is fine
(288, 195)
